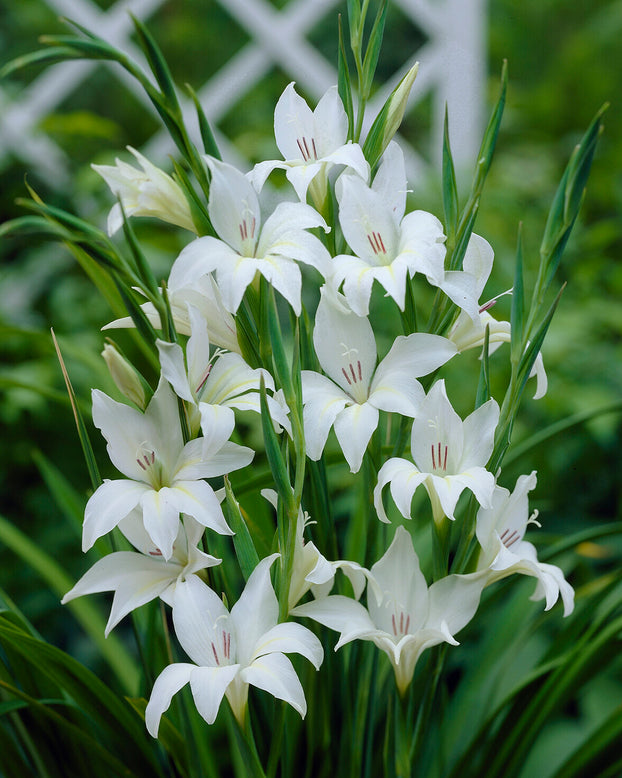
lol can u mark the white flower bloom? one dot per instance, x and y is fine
(166, 476)
(233, 650)
(469, 331)
(354, 389)
(146, 192)
(310, 142)
(388, 246)
(137, 578)
(245, 247)
(450, 455)
(403, 616)
(311, 571)
(213, 385)
(203, 295)
(500, 531)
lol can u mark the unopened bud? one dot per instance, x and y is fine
(389, 119)
(125, 376)
(396, 105)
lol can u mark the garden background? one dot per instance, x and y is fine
(564, 61)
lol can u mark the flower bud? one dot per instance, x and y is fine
(125, 376)
(389, 119)
(396, 105)
(146, 192)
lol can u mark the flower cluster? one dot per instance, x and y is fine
(346, 238)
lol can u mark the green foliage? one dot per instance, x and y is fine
(49, 701)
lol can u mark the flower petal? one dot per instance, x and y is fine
(354, 427)
(291, 638)
(199, 617)
(275, 674)
(197, 499)
(167, 684)
(257, 610)
(110, 503)
(233, 207)
(209, 685)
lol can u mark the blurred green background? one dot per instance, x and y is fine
(565, 61)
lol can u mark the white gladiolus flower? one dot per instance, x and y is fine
(354, 390)
(163, 476)
(213, 385)
(404, 616)
(146, 192)
(246, 247)
(203, 295)
(500, 531)
(449, 455)
(469, 331)
(137, 577)
(311, 142)
(233, 650)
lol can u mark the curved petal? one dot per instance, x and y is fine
(323, 401)
(345, 346)
(366, 222)
(229, 377)
(108, 505)
(404, 479)
(478, 261)
(284, 275)
(275, 674)
(198, 258)
(437, 434)
(343, 614)
(197, 499)
(125, 430)
(291, 638)
(209, 685)
(394, 387)
(257, 610)
(358, 278)
(293, 120)
(330, 122)
(173, 368)
(479, 434)
(233, 207)
(234, 275)
(354, 427)
(161, 518)
(199, 618)
(390, 181)
(167, 684)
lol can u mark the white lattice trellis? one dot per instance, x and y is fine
(452, 70)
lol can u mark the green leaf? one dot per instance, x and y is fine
(344, 82)
(115, 722)
(533, 349)
(207, 136)
(277, 463)
(558, 427)
(111, 649)
(158, 65)
(517, 317)
(65, 496)
(372, 51)
(566, 204)
(486, 151)
(483, 386)
(599, 754)
(242, 541)
(85, 442)
(450, 190)
(43, 57)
